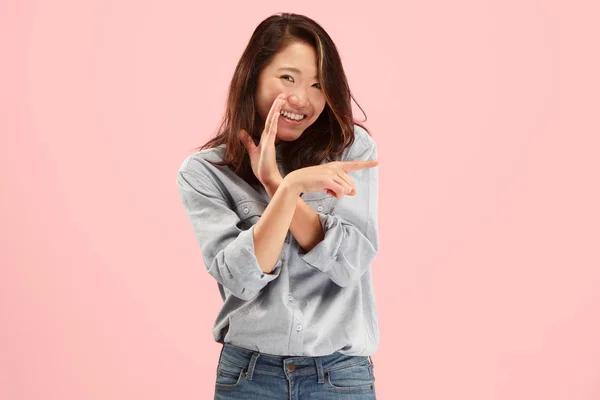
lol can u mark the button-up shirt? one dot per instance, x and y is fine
(313, 303)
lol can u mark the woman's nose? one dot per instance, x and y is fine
(296, 100)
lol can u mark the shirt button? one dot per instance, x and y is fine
(320, 208)
(290, 297)
(246, 210)
(299, 327)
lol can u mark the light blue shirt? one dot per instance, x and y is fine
(311, 304)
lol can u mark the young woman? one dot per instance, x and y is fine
(284, 229)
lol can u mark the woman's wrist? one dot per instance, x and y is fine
(289, 183)
(271, 188)
(292, 183)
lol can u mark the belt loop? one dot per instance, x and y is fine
(251, 365)
(320, 375)
(371, 360)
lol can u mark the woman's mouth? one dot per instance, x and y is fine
(292, 118)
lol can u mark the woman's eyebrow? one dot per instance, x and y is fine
(292, 69)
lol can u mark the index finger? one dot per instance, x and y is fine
(355, 165)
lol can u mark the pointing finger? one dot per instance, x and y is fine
(355, 165)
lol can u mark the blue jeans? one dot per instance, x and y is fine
(244, 374)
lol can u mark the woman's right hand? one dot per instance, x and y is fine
(331, 177)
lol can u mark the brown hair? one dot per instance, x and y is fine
(326, 138)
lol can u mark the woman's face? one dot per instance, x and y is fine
(293, 71)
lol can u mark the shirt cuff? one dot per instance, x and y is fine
(325, 253)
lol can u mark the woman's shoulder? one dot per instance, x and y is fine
(361, 134)
(200, 162)
(363, 144)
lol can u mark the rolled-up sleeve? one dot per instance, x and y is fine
(227, 251)
(351, 237)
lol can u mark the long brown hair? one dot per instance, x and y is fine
(326, 138)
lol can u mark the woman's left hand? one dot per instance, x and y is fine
(263, 157)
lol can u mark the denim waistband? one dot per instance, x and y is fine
(252, 360)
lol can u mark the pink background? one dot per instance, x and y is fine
(486, 118)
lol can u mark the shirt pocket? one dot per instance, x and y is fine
(318, 201)
(249, 211)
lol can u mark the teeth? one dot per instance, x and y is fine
(297, 117)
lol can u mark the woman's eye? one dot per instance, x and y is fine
(292, 80)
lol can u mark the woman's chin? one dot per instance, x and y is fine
(287, 132)
(288, 137)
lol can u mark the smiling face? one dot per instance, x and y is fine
(293, 72)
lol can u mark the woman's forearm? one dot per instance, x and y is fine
(272, 227)
(305, 225)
